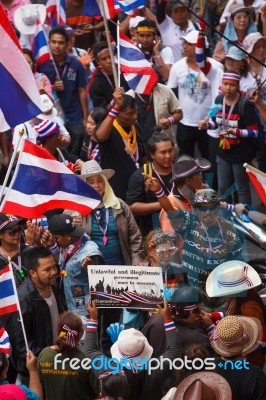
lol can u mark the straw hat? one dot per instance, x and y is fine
(92, 168)
(202, 385)
(131, 344)
(25, 18)
(236, 335)
(231, 277)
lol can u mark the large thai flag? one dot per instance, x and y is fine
(94, 8)
(137, 71)
(8, 293)
(40, 47)
(56, 12)
(19, 96)
(127, 6)
(41, 183)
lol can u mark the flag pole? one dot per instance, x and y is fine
(109, 43)
(118, 52)
(21, 133)
(18, 304)
(254, 170)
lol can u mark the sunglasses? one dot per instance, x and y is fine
(171, 251)
(205, 208)
(13, 231)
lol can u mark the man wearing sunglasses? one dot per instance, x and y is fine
(209, 239)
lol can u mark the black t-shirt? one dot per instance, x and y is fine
(146, 117)
(137, 193)
(114, 156)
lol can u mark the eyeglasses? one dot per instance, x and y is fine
(13, 231)
(206, 208)
(170, 251)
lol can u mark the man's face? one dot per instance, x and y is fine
(194, 182)
(180, 16)
(63, 241)
(127, 117)
(45, 274)
(188, 49)
(164, 154)
(207, 214)
(57, 44)
(229, 88)
(145, 38)
(104, 61)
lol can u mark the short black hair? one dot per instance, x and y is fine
(157, 137)
(59, 30)
(128, 102)
(98, 114)
(33, 255)
(99, 47)
(147, 22)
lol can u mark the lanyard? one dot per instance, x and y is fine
(133, 157)
(97, 214)
(148, 103)
(64, 72)
(18, 267)
(161, 181)
(225, 120)
(109, 80)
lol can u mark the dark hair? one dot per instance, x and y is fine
(184, 296)
(147, 22)
(33, 255)
(3, 362)
(128, 102)
(157, 137)
(29, 53)
(116, 387)
(59, 30)
(74, 323)
(98, 114)
(99, 47)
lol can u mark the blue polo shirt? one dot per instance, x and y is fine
(73, 75)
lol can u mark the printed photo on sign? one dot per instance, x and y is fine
(126, 286)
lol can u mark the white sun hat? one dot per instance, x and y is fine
(231, 277)
(25, 17)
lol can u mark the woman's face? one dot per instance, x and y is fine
(98, 184)
(91, 126)
(259, 50)
(241, 21)
(29, 60)
(233, 65)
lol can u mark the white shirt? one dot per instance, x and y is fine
(171, 33)
(196, 92)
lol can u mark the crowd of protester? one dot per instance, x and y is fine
(168, 167)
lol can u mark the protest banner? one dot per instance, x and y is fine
(116, 286)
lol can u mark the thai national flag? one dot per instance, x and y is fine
(56, 12)
(4, 341)
(8, 293)
(137, 71)
(93, 8)
(41, 183)
(40, 47)
(19, 96)
(127, 6)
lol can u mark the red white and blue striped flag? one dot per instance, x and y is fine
(41, 183)
(127, 6)
(137, 71)
(56, 12)
(93, 8)
(19, 95)
(40, 47)
(4, 341)
(8, 292)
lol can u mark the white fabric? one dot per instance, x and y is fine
(52, 304)
(109, 198)
(29, 133)
(195, 106)
(171, 33)
(167, 55)
(256, 5)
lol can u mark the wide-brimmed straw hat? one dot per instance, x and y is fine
(133, 345)
(236, 335)
(92, 168)
(201, 385)
(25, 18)
(186, 166)
(231, 277)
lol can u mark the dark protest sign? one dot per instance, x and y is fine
(125, 286)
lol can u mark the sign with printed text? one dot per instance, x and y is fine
(125, 286)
